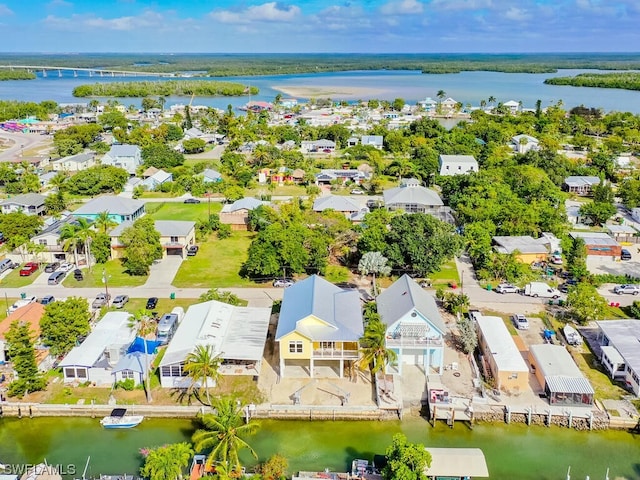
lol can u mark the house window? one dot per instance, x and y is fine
(82, 373)
(295, 346)
(174, 239)
(126, 374)
(176, 370)
(513, 376)
(165, 371)
(327, 345)
(42, 241)
(70, 372)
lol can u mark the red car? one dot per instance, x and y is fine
(28, 269)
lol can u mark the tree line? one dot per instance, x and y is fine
(7, 74)
(164, 88)
(621, 80)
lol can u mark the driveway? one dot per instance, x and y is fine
(163, 272)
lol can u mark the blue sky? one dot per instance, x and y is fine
(368, 26)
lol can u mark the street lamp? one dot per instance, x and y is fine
(105, 280)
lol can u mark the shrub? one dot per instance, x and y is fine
(127, 385)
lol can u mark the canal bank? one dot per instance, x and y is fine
(512, 451)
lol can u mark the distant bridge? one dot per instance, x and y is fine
(98, 72)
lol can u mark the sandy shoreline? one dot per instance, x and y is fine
(329, 91)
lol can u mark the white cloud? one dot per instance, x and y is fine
(517, 14)
(461, 4)
(59, 4)
(147, 19)
(402, 7)
(267, 12)
(4, 10)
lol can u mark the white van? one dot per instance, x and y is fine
(541, 289)
(5, 265)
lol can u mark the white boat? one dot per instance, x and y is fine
(572, 335)
(120, 419)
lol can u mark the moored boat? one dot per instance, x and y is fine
(572, 335)
(120, 419)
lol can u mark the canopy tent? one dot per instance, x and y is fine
(138, 345)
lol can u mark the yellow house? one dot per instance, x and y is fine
(526, 248)
(319, 328)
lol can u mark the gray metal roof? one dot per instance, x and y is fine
(581, 181)
(560, 384)
(503, 350)
(211, 174)
(405, 295)
(180, 228)
(123, 151)
(595, 238)
(247, 203)
(235, 333)
(469, 159)
(112, 330)
(335, 202)
(521, 243)
(412, 194)
(113, 204)
(554, 361)
(624, 335)
(339, 309)
(529, 139)
(133, 361)
(78, 158)
(25, 199)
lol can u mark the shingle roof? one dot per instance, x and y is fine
(123, 151)
(335, 202)
(581, 181)
(26, 199)
(338, 309)
(248, 203)
(30, 314)
(78, 158)
(458, 159)
(180, 228)
(405, 295)
(113, 204)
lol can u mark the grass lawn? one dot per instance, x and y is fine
(115, 273)
(217, 264)
(592, 369)
(165, 305)
(14, 280)
(182, 211)
(448, 273)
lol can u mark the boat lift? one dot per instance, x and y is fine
(296, 395)
(345, 395)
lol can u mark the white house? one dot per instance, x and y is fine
(210, 175)
(94, 359)
(457, 164)
(620, 353)
(415, 328)
(74, 163)
(512, 106)
(236, 334)
(322, 146)
(28, 203)
(524, 143)
(158, 178)
(128, 157)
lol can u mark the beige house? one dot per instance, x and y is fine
(236, 214)
(175, 237)
(74, 163)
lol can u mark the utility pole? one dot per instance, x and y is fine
(105, 280)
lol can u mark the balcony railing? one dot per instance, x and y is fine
(414, 342)
(334, 353)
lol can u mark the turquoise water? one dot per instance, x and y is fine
(466, 87)
(512, 451)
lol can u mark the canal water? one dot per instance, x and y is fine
(512, 451)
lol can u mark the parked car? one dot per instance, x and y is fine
(28, 269)
(283, 282)
(556, 259)
(56, 277)
(51, 267)
(192, 250)
(77, 274)
(625, 254)
(507, 288)
(21, 303)
(120, 301)
(192, 200)
(520, 321)
(357, 191)
(627, 289)
(101, 300)
(47, 299)
(564, 288)
(152, 302)
(66, 267)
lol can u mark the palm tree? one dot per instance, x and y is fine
(104, 222)
(202, 365)
(441, 94)
(375, 354)
(223, 433)
(167, 462)
(85, 234)
(70, 240)
(492, 100)
(483, 104)
(372, 263)
(145, 325)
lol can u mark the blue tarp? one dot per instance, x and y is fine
(138, 346)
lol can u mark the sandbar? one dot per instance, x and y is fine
(328, 91)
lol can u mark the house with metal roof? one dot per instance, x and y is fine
(415, 328)
(450, 165)
(236, 214)
(321, 145)
(74, 163)
(412, 197)
(598, 243)
(620, 355)
(580, 184)
(338, 203)
(236, 334)
(94, 359)
(329, 175)
(524, 143)
(155, 180)
(319, 328)
(527, 249)
(175, 237)
(210, 175)
(54, 246)
(120, 209)
(559, 376)
(27, 203)
(500, 358)
(128, 157)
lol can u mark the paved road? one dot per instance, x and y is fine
(22, 142)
